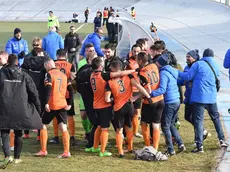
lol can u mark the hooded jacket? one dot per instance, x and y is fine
(204, 82)
(227, 61)
(51, 43)
(168, 85)
(19, 101)
(94, 39)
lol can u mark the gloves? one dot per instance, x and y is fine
(21, 55)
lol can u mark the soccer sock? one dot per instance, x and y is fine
(11, 139)
(145, 132)
(129, 134)
(156, 138)
(65, 140)
(71, 124)
(104, 139)
(135, 123)
(43, 139)
(97, 136)
(119, 141)
(55, 126)
(86, 125)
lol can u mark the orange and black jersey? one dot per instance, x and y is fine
(149, 77)
(121, 89)
(65, 67)
(56, 86)
(98, 81)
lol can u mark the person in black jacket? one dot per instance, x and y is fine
(34, 66)
(19, 107)
(72, 44)
(97, 21)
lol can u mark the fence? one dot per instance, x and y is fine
(226, 2)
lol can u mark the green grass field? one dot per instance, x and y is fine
(83, 162)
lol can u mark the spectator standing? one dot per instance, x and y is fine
(97, 21)
(53, 21)
(52, 42)
(105, 16)
(86, 14)
(17, 46)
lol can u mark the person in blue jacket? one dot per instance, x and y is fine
(168, 87)
(227, 61)
(17, 46)
(94, 39)
(52, 42)
(203, 96)
(97, 21)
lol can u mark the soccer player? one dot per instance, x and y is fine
(132, 64)
(150, 113)
(56, 106)
(103, 109)
(89, 49)
(168, 87)
(68, 69)
(121, 89)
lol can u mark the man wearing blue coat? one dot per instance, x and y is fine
(203, 96)
(227, 61)
(17, 46)
(168, 87)
(94, 39)
(52, 42)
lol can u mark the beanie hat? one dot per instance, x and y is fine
(163, 60)
(208, 53)
(17, 30)
(194, 54)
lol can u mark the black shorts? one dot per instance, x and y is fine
(152, 113)
(138, 102)
(61, 116)
(71, 112)
(104, 115)
(124, 116)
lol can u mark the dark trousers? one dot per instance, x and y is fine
(188, 114)
(105, 21)
(86, 18)
(168, 120)
(198, 111)
(17, 143)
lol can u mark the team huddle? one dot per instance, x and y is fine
(112, 91)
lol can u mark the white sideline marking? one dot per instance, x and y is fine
(79, 27)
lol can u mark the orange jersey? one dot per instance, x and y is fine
(105, 14)
(98, 84)
(58, 82)
(121, 89)
(64, 67)
(149, 76)
(132, 66)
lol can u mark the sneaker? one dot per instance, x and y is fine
(181, 148)
(54, 140)
(167, 153)
(17, 161)
(105, 154)
(206, 134)
(177, 125)
(26, 136)
(4, 163)
(72, 141)
(121, 155)
(223, 143)
(198, 150)
(11, 159)
(88, 149)
(138, 135)
(65, 155)
(12, 148)
(95, 150)
(41, 154)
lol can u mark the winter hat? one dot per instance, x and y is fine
(194, 54)
(163, 60)
(17, 30)
(208, 53)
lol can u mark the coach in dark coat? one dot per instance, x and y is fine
(19, 105)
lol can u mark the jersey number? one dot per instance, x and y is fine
(153, 78)
(121, 86)
(59, 83)
(93, 83)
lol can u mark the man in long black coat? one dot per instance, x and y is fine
(19, 107)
